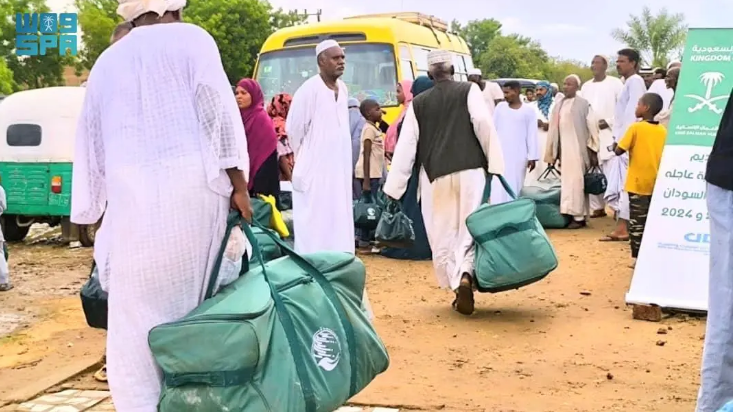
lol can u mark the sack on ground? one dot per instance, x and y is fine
(366, 212)
(395, 227)
(595, 182)
(94, 301)
(546, 194)
(512, 249)
(289, 335)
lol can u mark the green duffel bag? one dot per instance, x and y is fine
(262, 211)
(512, 249)
(546, 195)
(269, 249)
(286, 336)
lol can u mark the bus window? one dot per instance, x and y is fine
(370, 72)
(406, 69)
(420, 57)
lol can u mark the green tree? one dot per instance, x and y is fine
(239, 28)
(514, 56)
(654, 36)
(97, 20)
(31, 71)
(559, 68)
(478, 34)
(7, 84)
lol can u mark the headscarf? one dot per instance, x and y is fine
(356, 123)
(420, 85)
(544, 102)
(391, 140)
(261, 137)
(132, 9)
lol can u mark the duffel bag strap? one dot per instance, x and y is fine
(233, 220)
(324, 283)
(551, 169)
(487, 187)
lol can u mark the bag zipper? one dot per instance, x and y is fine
(295, 282)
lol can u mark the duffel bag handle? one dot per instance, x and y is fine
(551, 169)
(487, 187)
(233, 220)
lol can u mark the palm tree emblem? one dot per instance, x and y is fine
(710, 80)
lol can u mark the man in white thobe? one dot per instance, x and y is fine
(601, 92)
(448, 130)
(5, 284)
(671, 80)
(492, 92)
(573, 142)
(516, 125)
(167, 167)
(627, 65)
(319, 132)
(659, 86)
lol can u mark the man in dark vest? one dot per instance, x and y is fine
(449, 132)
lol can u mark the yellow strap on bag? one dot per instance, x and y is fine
(276, 222)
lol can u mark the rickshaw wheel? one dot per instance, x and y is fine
(87, 234)
(11, 231)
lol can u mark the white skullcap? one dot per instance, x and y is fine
(439, 56)
(132, 9)
(574, 76)
(474, 72)
(604, 57)
(325, 45)
(669, 66)
(554, 85)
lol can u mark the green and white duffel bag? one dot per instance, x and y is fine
(286, 336)
(512, 248)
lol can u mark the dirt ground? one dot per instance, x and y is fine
(566, 344)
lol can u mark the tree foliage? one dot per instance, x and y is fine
(478, 34)
(97, 20)
(654, 36)
(28, 71)
(239, 28)
(7, 84)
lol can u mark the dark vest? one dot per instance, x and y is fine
(447, 142)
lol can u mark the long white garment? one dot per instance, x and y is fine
(517, 129)
(573, 200)
(659, 87)
(450, 256)
(602, 97)
(488, 94)
(533, 176)
(616, 167)
(319, 132)
(157, 161)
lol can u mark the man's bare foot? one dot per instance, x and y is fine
(464, 302)
(615, 237)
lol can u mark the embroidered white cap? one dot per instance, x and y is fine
(439, 56)
(474, 72)
(325, 45)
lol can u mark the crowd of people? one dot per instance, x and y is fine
(178, 180)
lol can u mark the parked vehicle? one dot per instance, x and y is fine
(36, 160)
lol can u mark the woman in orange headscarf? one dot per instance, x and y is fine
(278, 111)
(404, 97)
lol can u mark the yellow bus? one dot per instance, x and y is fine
(380, 50)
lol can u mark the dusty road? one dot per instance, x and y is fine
(567, 344)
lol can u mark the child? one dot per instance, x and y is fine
(4, 275)
(644, 141)
(370, 164)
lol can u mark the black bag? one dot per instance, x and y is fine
(395, 228)
(94, 301)
(595, 181)
(366, 212)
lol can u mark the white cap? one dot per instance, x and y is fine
(132, 9)
(439, 56)
(325, 45)
(474, 72)
(673, 63)
(576, 77)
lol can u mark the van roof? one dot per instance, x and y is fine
(376, 28)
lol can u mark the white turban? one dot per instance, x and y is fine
(604, 57)
(325, 45)
(576, 77)
(439, 56)
(474, 72)
(132, 9)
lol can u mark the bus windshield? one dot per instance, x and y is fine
(370, 71)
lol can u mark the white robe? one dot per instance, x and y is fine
(533, 176)
(659, 87)
(453, 197)
(616, 167)
(517, 129)
(319, 132)
(602, 97)
(4, 275)
(156, 161)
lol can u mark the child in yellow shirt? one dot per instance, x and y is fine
(644, 141)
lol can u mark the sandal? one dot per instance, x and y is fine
(464, 303)
(614, 238)
(4, 287)
(598, 213)
(577, 225)
(101, 375)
